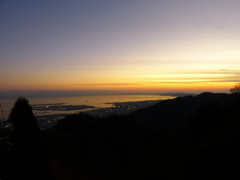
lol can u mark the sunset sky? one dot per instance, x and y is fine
(132, 45)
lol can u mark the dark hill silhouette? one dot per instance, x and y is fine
(111, 148)
(174, 113)
(123, 147)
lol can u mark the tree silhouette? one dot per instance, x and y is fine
(28, 158)
(22, 117)
(236, 92)
(236, 89)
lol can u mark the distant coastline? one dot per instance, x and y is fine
(100, 101)
(178, 94)
(51, 104)
(66, 93)
(72, 93)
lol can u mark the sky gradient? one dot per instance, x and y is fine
(132, 45)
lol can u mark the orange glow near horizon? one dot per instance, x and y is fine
(194, 88)
(150, 83)
(161, 46)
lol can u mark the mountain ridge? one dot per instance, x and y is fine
(173, 113)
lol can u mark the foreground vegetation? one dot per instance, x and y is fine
(124, 147)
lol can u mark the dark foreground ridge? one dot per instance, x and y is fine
(125, 147)
(174, 113)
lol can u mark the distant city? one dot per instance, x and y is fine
(46, 120)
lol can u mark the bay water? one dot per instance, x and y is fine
(97, 101)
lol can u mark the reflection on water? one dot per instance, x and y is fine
(97, 101)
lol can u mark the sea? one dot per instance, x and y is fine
(101, 101)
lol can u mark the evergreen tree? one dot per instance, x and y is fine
(28, 157)
(22, 117)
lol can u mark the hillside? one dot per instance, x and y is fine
(124, 147)
(174, 113)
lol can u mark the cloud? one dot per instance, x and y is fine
(221, 71)
(111, 84)
(197, 82)
(181, 77)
